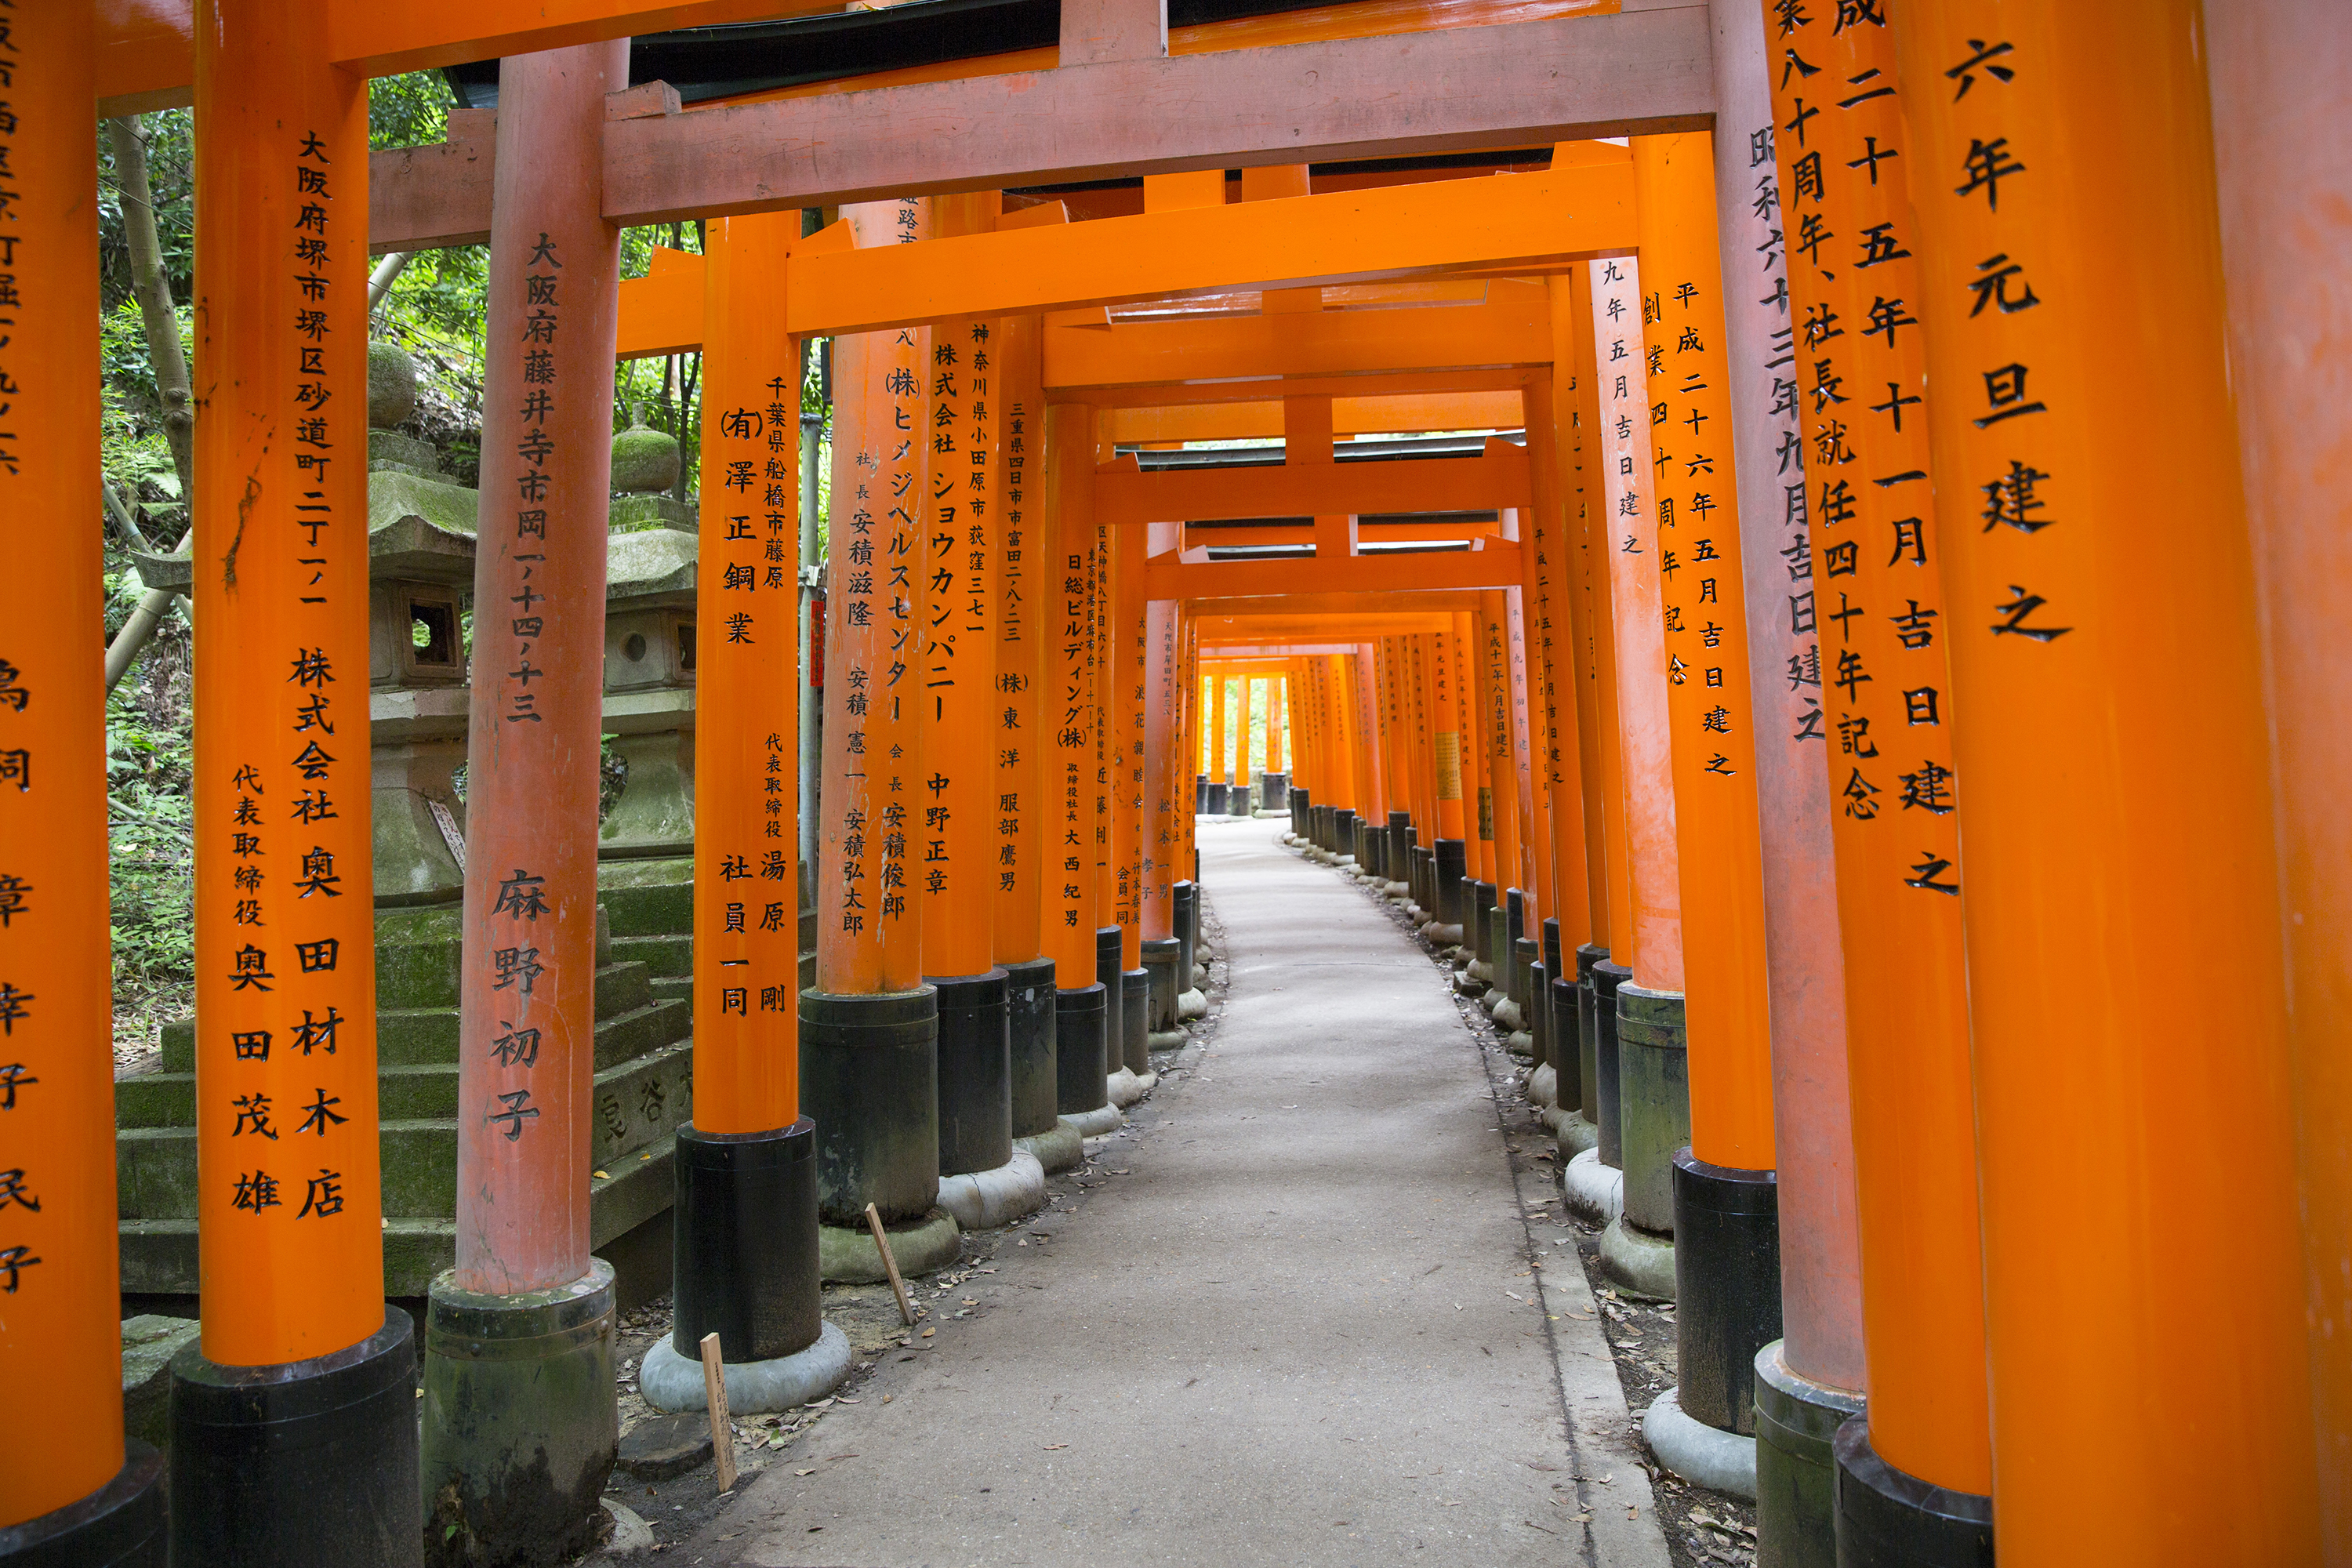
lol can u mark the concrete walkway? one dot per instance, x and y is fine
(1299, 1326)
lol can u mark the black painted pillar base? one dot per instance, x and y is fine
(1727, 1286)
(975, 1072)
(1079, 1072)
(1185, 897)
(1135, 1020)
(119, 1525)
(744, 1243)
(1887, 1519)
(1606, 978)
(521, 1427)
(1448, 856)
(1343, 832)
(300, 1463)
(1588, 1087)
(1029, 1012)
(1110, 972)
(1299, 804)
(869, 1079)
(1653, 1101)
(1200, 794)
(1161, 954)
(1273, 788)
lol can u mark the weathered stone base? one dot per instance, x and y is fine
(1703, 1455)
(1058, 1150)
(1127, 1088)
(983, 1200)
(1097, 1123)
(670, 1381)
(1595, 1193)
(847, 1256)
(1636, 1262)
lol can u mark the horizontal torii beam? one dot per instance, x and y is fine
(1180, 422)
(1399, 231)
(1453, 90)
(1400, 531)
(1495, 478)
(1512, 329)
(1308, 608)
(1165, 577)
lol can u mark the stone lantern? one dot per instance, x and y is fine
(645, 464)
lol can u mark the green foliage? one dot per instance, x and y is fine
(150, 822)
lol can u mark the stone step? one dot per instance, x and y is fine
(421, 1085)
(664, 955)
(428, 1034)
(636, 1102)
(646, 897)
(159, 1255)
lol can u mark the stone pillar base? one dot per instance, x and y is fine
(847, 1256)
(673, 1381)
(1638, 1262)
(521, 1428)
(1702, 1455)
(1797, 1422)
(983, 1200)
(1058, 1150)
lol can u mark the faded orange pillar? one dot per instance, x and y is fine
(1813, 1375)
(1278, 724)
(1446, 744)
(2091, 517)
(60, 1273)
(528, 1016)
(1241, 732)
(2279, 72)
(1874, 588)
(869, 1027)
(527, 1013)
(289, 1203)
(1217, 774)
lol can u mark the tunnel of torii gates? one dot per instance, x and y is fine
(1662, 706)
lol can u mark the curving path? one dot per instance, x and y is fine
(1300, 1328)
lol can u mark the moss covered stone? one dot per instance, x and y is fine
(644, 461)
(391, 385)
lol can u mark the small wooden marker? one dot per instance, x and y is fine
(714, 1389)
(874, 1223)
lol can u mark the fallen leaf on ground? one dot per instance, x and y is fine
(1051, 1447)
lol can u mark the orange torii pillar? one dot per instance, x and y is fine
(1723, 1196)
(1447, 863)
(2277, 74)
(1124, 638)
(519, 1335)
(1185, 893)
(1478, 877)
(1024, 588)
(1213, 798)
(1237, 800)
(1277, 744)
(1504, 899)
(1112, 960)
(1162, 950)
(1875, 588)
(1556, 1085)
(1082, 1025)
(984, 1180)
(1812, 1379)
(1650, 1002)
(79, 1493)
(1609, 961)
(1526, 975)
(747, 1249)
(869, 1027)
(296, 1337)
(2105, 654)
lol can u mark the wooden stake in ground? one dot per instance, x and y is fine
(874, 1223)
(714, 1389)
